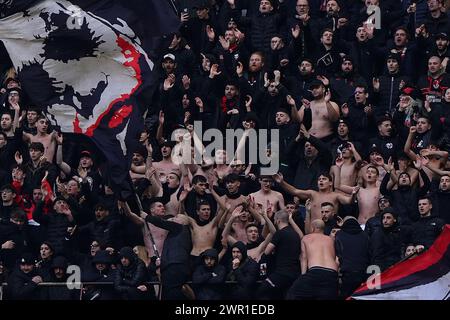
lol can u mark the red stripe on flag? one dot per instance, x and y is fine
(419, 263)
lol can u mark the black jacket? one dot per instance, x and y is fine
(426, 230)
(306, 174)
(387, 97)
(245, 275)
(209, 281)
(405, 198)
(388, 245)
(20, 286)
(104, 231)
(18, 234)
(178, 243)
(441, 205)
(352, 247)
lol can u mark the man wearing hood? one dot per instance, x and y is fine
(101, 271)
(352, 250)
(343, 85)
(58, 275)
(209, 277)
(131, 276)
(244, 270)
(387, 243)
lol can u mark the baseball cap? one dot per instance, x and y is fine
(169, 56)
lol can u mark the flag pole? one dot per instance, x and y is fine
(139, 203)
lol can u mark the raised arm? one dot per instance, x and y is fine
(129, 214)
(295, 227)
(226, 231)
(59, 155)
(160, 130)
(407, 148)
(303, 194)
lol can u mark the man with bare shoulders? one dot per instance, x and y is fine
(324, 112)
(319, 279)
(348, 174)
(368, 196)
(166, 165)
(325, 194)
(47, 139)
(204, 235)
(266, 196)
(375, 160)
(255, 244)
(233, 196)
(159, 235)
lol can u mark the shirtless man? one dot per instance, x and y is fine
(203, 237)
(222, 168)
(437, 158)
(324, 111)
(48, 140)
(255, 247)
(159, 235)
(232, 197)
(325, 194)
(266, 196)
(377, 161)
(319, 279)
(348, 174)
(166, 165)
(368, 196)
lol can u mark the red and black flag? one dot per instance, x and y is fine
(424, 277)
(89, 65)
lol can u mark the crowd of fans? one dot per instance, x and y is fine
(364, 179)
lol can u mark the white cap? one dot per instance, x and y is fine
(169, 56)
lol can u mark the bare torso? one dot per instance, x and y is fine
(319, 198)
(159, 235)
(273, 197)
(239, 231)
(203, 237)
(321, 125)
(319, 251)
(368, 203)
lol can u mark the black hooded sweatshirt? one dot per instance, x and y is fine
(352, 247)
(209, 280)
(245, 275)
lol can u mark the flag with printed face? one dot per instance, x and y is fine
(88, 64)
(423, 277)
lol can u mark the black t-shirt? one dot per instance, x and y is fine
(287, 251)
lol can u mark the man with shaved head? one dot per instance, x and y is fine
(319, 279)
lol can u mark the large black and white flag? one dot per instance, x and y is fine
(87, 63)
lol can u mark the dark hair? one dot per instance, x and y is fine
(373, 167)
(203, 203)
(4, 135)
(405, 173)
(36, 146)
(326, 175)
(251, 225)
(198, 178)
(425, 197)
(324, 204)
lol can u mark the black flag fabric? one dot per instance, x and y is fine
(87, 63)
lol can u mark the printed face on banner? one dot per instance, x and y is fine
(87, 66)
